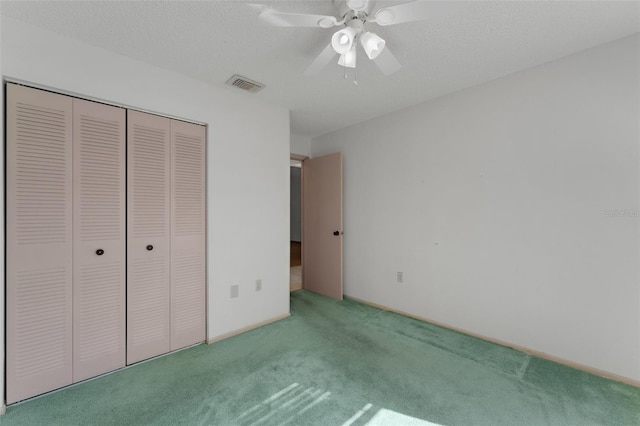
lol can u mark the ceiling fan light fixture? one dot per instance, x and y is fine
(372, 44)
(348, 59)
(342, 40)
(357, 5)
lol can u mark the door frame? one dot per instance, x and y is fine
(300, 158)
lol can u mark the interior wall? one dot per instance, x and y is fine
(247, 209)
(296, 204)
(300, 145)
(511, 208)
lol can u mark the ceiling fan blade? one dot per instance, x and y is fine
(280, 19)
(387, 63)
(321, 61)
(415, 11)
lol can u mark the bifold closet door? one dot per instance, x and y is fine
(99, 255)
(188, 234)
(39, 241)
(148, 236)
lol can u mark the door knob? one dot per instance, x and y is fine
(99, 252)
(149, 247)
(336, 233)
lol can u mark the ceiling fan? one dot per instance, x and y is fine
(356, 15)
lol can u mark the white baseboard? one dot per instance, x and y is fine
(247, 328)
(528, 351)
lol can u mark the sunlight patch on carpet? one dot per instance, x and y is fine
(289, 405)
(284, 406)
(357, 415)
(386, 417)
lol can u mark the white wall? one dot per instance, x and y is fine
(494, 203)
(300, 144)
(248, 208)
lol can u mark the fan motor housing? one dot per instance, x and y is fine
(357, 24)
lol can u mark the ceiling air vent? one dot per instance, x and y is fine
(245, 84)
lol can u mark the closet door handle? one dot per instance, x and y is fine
(149, 247)
(99, 252)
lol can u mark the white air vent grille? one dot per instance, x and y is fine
(245, 84)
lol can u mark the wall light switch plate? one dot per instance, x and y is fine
(258, 285)
(234, 291)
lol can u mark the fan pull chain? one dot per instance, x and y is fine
(355, 75)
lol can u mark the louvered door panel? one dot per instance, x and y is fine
(188, 234)
(148, 238)
(99, 239)
(39, 242)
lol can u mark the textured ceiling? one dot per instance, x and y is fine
(212, 40)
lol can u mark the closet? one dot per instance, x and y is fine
(105, 258)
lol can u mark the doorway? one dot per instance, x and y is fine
(295, 263)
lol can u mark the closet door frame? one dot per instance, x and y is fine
(74, 95)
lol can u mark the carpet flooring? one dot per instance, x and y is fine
(340, 363)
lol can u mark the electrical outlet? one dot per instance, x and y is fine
(235, 290)
(399, 277)
(258, 285)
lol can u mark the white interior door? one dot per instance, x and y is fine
(322, 225)
(39, 241)
(148, 236)
(99, 238)
(187, 234)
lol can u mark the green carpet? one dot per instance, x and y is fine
(340, 363)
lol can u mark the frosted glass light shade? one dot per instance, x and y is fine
(372, 44)
(342, 40)
(348, 59)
